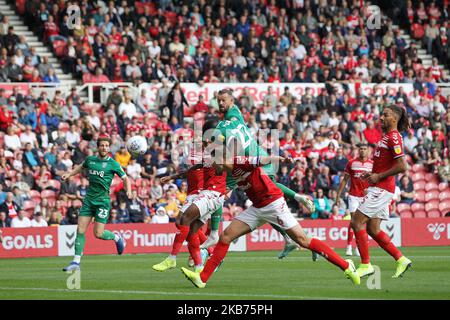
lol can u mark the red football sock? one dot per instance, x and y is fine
(362, 241)
(181, 235)
(220, 251)
(210, 250)
(194, 248)
(201, 236)
(324, 250)
(385, 242)
(350, 235)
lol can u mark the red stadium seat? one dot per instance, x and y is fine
(444, 195)
(403, 207)
(406, 214)
(138, 182)
(432, 205)
(420, 196)
(139, 6)
(50, 194)
(419, 185)
(417, 206)
(55, 184)
(434, 214)
(418, 176)
(35, 194)
(431, 195)
(431, 177)
(431, 186)
(444, 207)
(443, 186)
(420, 214)
(418, 168)
(28, 205)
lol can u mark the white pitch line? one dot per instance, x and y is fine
(237, 295)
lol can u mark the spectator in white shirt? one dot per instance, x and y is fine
(144, 103)
(410, 141)
(73, 136)
(29, 137)
(21, 220)
(38, 221)
(94, 119)
(12, 140)
(160, 216)
(128, 107)
(134, 169)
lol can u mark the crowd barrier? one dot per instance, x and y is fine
(153, 238)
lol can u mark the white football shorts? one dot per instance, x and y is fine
(376, 203)
(354, 203)
(276, 212)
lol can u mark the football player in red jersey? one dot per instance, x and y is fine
(208, 190)
(353, 171)
(268, 206)
(388, 161)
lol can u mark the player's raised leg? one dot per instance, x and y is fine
(383, 240)
(102, 234)
(298, 235)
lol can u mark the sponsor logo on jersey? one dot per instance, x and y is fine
(104, 164)
(397, 149)
(97, 173)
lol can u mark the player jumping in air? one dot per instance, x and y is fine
(388, 161)
(269, 206)
(234, 124)
(195, 213)
(100, 173)
(353, 171)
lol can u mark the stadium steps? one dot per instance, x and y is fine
(33, 41)
(424, 56)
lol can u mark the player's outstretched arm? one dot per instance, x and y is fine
(341, 188)
(77, 170)
(127, 185)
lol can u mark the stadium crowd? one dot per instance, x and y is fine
(219, 41)
(222, 41)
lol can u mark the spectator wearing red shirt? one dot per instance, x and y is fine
(5, 118)
(200, 106)
(356, 113)
(371, 133)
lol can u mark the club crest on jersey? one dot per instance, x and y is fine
(104, 165)
(397, 149)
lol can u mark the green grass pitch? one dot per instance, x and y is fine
(245, 275)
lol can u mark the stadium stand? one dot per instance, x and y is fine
(215, 42)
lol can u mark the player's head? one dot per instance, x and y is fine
(103, 144)
(225, 100)
(394, 117)
(363, 149)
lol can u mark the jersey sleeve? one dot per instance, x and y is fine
(84, 164)
(395, 144)
(118, 170)
(234, 114)
(348, 168)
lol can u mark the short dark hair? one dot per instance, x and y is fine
(103, 139)
(226, 91)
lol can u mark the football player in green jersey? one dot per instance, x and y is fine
(234, 124)
(100, 172)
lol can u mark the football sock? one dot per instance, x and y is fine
(79, 244)
(362, 241)
(220, 251)
(181, 235)
(385, 242)
(77, 259)
(107, 235)
(283, 233)
(201, 236)
(325, 251)
(215, 219)
(350, 235)
(194, 248)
